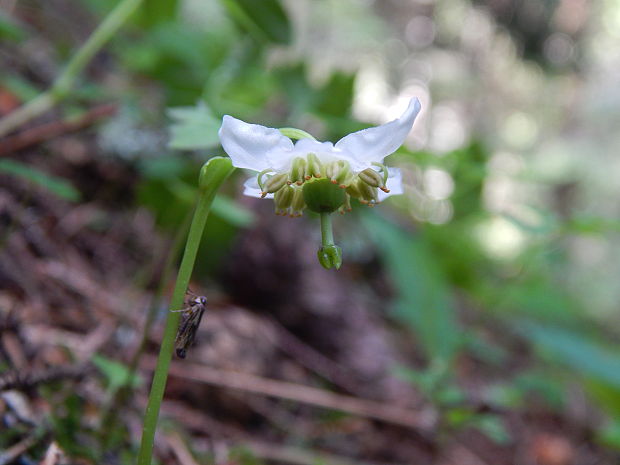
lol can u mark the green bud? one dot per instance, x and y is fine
(321, 196)
(330, 256)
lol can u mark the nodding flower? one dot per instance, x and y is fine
(319, 176)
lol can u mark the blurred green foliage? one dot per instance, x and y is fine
(435, 268)
(52, 184)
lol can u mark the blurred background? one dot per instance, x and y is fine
(475, 319)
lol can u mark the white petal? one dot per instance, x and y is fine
(251, 189)
(374, 144)
(394, 184)
(248, 145)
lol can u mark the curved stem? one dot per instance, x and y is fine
(294, 133)
(62, 85)
(212, 175)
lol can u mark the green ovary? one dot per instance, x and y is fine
(322, 196)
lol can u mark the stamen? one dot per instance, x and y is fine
(275, 183)
(315, 167)
(283, 199)
(259, 180)
(384, 171)
(372, 178)
(353, 189)
(367, 192)
(344, 173)
(298, 171)
(297, 203)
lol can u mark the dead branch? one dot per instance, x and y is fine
(423, 420)
(20, 379)
(48, 131)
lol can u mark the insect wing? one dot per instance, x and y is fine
(190, 321)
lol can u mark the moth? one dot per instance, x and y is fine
(190, 321)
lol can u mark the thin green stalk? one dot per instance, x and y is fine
(63, 84)
(212, 175)
(109, 419)
(329, 255)
(327, 235)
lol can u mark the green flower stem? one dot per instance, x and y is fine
(212, 175)
(62, 85)
(110, 418)
(327, 234)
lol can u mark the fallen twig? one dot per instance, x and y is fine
(15, 379)
(265, 450)
(53, 456)
(48, 131)
(180, 450)
(424, 420)
(11, 453)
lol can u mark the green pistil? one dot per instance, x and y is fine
(321, 196)
(329, 255)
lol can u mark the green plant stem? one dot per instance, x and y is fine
(327, 234)
(212, 175)
(63, 84)
(109, 419)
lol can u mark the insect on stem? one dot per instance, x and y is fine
(190, 321)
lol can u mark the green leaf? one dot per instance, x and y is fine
(336, 97)
(231, 212)
(117, 374)
(424, 301)
(609, 435)
(164, 168)
(155, 12)
(591, 359)
(493, 427)
(53, 184)
(19, 87)
(193, 128)
(265, 19)
(11, 29)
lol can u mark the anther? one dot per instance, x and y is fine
(282, 199)
(297, 203)
(259, 178)
(314, 167)
(374, 179)
(344, 173)
(274, 183)
(367, 192)
(298, 171)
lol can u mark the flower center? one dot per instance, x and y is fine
(321, 186)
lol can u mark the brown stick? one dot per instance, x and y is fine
(48, 131)
(14, 379)
(197, 420)
(299, 393)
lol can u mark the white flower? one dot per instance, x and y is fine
(354, 164)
